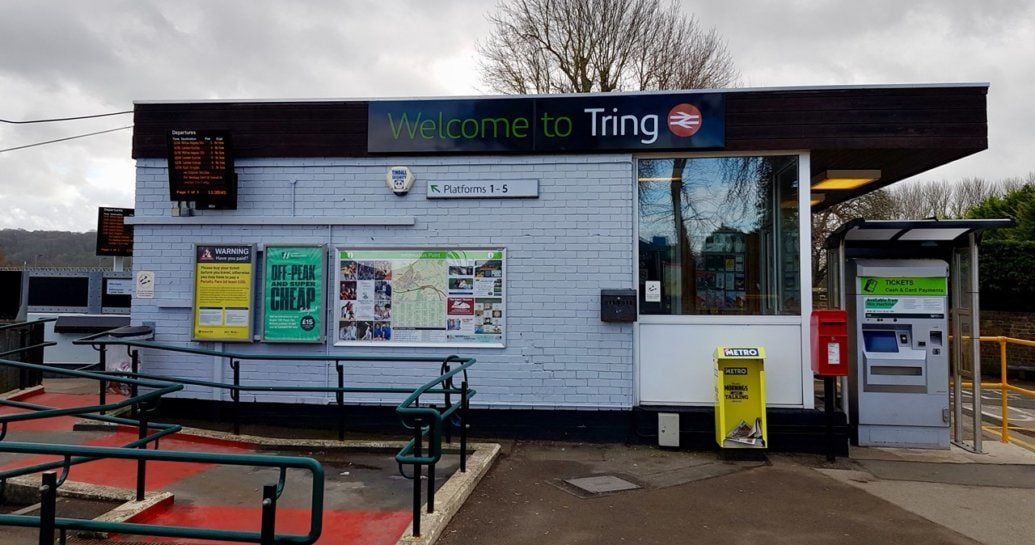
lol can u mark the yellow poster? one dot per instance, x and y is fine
(740, 420)
(223, 292)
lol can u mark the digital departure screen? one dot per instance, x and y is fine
(114, 237)
(201, 169)
(880, 341)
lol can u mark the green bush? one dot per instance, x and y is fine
(1008, 275)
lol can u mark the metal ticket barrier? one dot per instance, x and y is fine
(898, 308)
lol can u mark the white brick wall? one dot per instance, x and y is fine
(562, 249)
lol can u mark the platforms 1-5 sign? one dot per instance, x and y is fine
(293, 294)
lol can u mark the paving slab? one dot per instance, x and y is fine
(988, 515)
(994, 452)
(1000, 475)
(602, 484)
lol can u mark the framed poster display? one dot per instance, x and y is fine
(420, 297)
(293, 293)
(223, 289)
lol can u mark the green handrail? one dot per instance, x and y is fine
(14, 325)
(413, 415)
(253, 460)
(27, 348)
(78, 454)
(436, 417)
(104, 339)
(158, 389)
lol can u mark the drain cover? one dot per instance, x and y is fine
(601, 484)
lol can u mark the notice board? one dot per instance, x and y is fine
(420, 297)
(293, 293)
(201, 169)
(114, 237)
(223, 284)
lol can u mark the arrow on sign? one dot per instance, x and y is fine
(434, 188)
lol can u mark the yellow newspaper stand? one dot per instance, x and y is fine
(740, 398)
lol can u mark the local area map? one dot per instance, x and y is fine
(420, 296)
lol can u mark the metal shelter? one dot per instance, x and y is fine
(955, 241)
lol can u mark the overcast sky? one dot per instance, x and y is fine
(83, 57)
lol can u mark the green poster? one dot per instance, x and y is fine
(903, 285)
(293, 294)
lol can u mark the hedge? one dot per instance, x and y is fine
(1008, 275)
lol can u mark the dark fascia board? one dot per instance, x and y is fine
(822, 88)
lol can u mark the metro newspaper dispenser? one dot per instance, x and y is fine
(740, 420)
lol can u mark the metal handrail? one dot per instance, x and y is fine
(1003, 385)
(15, 325)
(254, 460)
(427, 422)
(103, 338)
(27, 329)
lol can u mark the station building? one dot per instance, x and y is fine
(591, 251)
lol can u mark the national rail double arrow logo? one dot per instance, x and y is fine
(684, 120)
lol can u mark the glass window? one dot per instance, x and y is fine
(719, 235)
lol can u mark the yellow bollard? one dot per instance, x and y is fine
(1003, 390)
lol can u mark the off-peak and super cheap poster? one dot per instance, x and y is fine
(223, 292)
(421, 297)
(293, 294)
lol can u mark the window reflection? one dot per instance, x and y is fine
(720, 235)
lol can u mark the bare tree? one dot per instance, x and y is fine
(876, 205)
(580, 46)
(910, 200)
(945, 199)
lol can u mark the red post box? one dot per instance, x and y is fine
(830, 343)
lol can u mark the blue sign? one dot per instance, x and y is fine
(590, 123)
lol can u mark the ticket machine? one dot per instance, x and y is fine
(900, 372)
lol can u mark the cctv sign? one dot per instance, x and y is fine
(581, 123)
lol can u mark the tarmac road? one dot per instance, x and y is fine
(686, 498)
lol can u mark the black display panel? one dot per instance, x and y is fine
(10, 294)
(59, 291)
(114, 237)
(201, 169)
(116, 292)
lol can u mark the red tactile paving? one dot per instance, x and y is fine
(123, 474)
(118, 473)
(339, 527)
(57, 401)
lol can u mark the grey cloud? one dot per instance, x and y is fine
(76, 57)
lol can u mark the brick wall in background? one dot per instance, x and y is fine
(1020, 325)
(562, 249)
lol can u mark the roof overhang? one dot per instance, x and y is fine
(899, 130)
(885, 232)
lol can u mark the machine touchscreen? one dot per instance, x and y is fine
(880, 341)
